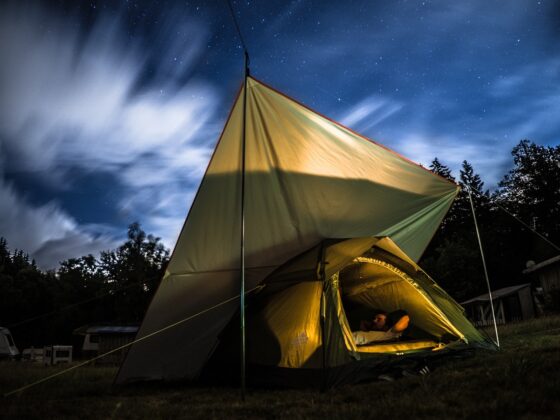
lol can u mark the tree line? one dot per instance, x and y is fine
(116, 287)
(526, 201)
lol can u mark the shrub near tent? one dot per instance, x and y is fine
(313, 189)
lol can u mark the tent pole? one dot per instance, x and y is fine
(485, 270)
(242, 295)
(242, 292)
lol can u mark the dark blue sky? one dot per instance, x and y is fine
(110, 110)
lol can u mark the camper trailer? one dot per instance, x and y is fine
(32, 354)
(101, 339)
(53, 355)
(8, 348)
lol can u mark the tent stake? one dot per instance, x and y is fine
(485, 270)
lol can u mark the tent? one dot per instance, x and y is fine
(317, 198)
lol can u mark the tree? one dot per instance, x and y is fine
(440, 169)
(24, 293)
(133, 272)
(45, 307)
(80, 291)
(472, 186)
(470, 180)
(531, 190)
(453, 256)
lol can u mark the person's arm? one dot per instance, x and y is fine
(401, 324)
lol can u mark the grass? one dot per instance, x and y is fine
(519, 381)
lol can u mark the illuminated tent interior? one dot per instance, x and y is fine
(306, 180)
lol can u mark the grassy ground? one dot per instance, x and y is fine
(522, 380)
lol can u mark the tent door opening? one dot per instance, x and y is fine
(368, 286)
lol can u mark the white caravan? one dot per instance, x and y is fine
(8, 348)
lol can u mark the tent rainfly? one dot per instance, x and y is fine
(334, 223)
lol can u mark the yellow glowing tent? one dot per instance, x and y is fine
(310, 184)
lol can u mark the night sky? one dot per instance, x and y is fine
(110, 110)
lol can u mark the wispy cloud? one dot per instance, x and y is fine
(79, 104)
(369, 112)
(72, 102)
(452, 151)
(47, 232)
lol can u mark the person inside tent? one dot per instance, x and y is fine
(382, 327)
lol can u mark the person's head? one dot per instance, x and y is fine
(379, 321)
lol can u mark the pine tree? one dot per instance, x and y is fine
(440, 169)
(453, 257)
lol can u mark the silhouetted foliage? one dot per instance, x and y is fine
(442, 170)
(530, 191)
(45, 307)
(134, 269)
(453, 257)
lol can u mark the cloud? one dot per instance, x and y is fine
(71, 245)
(507, 85)
(369, 112)
(544, 122)
(452, 151)
(46, 232)
(529, 98)
(75, 99)
(276, 25)
(78, 103)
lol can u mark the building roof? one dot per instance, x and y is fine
(107, 329)
(542, 264)
(497, 294)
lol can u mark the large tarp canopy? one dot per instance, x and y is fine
(307, 178)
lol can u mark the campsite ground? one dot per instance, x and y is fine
(520, 381)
